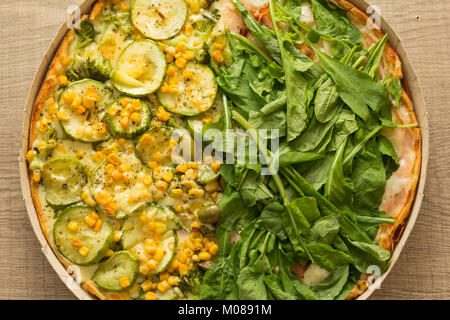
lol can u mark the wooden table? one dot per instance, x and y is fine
(423, 270)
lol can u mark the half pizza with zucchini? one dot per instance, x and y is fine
(132, 220)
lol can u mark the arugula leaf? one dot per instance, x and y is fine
(298, 90)
(356, 89)
(294, 157)
(338, 189)
(374, 59)
(263, 34)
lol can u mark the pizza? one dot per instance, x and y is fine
(224, 149)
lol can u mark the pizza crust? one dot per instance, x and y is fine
(387, 236)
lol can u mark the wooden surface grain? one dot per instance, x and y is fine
(423, 270)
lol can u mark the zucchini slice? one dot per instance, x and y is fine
(134, 230)
(168, 295)
(206, 174)
(82, 106)
(141, 68)
(128, 193)
(128, 118)
(195, 95)
(168, 245)
(120, 265)
(213, 115)
(97, 243)
(64, 179)
(159, 19)
(155, 146)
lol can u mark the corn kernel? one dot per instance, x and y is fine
(90, 221)
(188, 55)
(182, 168)
(144, 269)
(112, 111)
(171, 71)
(113, 158)
(83, 251)
(98, 225)
(164, 276)
(216, 165)
(63, 81)
(161, 185)
(76, 242)
(196, 192)
(217, 56)
(151, 264)
(163, 286)
(135, 117)
(181, 62)
(160, 228)
(152, 164)
(159, 254)
(109, 253)
(179, 208)
(188, 30)
(124, 282)
(151, 225)
(151, 296)
(181, 47)
(147, 181)
(217, 45)
(167, 176)
(183, 269)
(117, 236)
(195, 258)
(125, 101)
(62, 116)
(124, 122)
(195, 226)
(52, 109)
(30, 155)
(73, 226)
(146, 285)
(176, 193)
(204, 256)
(194, 5)
(117, 175)
(213, 249)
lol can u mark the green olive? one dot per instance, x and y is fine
(209, 214)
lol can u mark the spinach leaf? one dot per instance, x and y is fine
(276, 120)
(251, 285)
(369, 177)
(308, 207)
(274, 286)
(333, 22)
(317, 175)
(345, 125)
(327, 257)
(324, 230)
(365, 255)
(330, 288)
(325, 103)
(390, 158)
(271, 219)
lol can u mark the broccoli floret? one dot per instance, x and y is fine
(191, 282)
(86, 32)
(98, 69)
(93, 68)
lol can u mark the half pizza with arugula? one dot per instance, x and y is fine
(131, 221)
